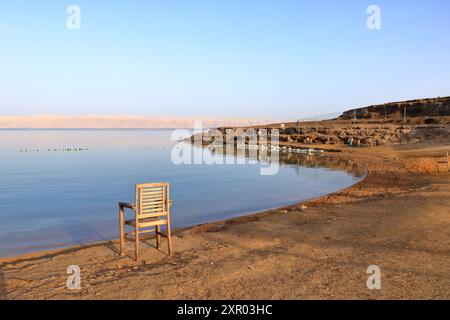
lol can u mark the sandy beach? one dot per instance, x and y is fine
(225, 150)
(398, 218)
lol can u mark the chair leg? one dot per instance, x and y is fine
(158, 236)
(122, 232)
(137, 242)
(169, 239)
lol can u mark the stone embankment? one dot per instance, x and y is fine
(326, 133)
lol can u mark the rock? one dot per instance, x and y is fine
(303, 208)
(432, 120)
(282, 211)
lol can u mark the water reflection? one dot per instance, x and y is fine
(296, 160)
(52, 199)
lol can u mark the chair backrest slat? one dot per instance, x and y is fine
(152, 199)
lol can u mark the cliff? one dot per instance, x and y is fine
(433, 107)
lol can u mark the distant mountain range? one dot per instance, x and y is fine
(46, 121)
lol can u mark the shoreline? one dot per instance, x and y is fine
(392, 175)
(65, 248)
(32, 242)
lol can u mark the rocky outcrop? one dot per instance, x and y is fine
(427, 120)
(433, 107)
(368, 136)
(356, 136)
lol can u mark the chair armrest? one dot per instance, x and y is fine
(127, 205)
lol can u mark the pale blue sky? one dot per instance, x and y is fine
(251, 58)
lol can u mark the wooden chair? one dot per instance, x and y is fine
(151, 211)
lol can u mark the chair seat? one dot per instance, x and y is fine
(143, 223)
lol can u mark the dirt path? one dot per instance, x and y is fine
(397, 219)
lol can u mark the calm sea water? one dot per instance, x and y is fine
(52, 197)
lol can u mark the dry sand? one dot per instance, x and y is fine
(397, 218)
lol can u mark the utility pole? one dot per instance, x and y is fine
(404, 115)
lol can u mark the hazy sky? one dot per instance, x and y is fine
(251, 58)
